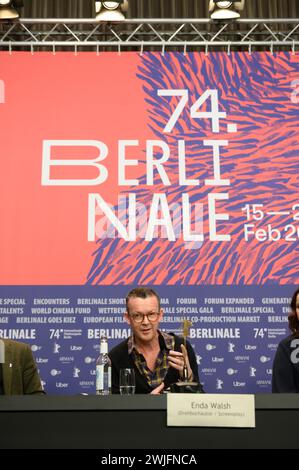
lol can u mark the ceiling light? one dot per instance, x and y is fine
(8, 9)
(225, 10)
(111, 11)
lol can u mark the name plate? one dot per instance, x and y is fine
(188, 409)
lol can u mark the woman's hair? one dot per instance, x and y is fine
(293, 319)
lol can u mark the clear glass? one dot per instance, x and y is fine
(127, 381)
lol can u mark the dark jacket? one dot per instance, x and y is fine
(120, 359)
(19, 372)
(285, 373)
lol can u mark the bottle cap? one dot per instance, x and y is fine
(104, 346)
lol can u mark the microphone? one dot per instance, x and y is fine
(2, 352)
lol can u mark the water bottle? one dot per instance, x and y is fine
(103, 370)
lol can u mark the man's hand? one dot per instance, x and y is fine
(178, 360)
(158, 389)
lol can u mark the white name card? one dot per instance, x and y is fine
(204, 409)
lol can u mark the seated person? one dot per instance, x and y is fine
(285, 374)
(18, 373)
(158, 358)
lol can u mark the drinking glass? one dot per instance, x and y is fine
(127, 381)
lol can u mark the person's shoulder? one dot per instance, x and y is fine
(16, 345)
(286, 342)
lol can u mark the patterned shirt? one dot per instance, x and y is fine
(155, 377)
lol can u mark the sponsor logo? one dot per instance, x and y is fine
(241, 358)
(263, 383)
(264, 359)
(56, 348)
(231, 371)
(238, 384)
(66, 359)
(76, 372)
(219, 384)
(61, 385)
(198, 359)
(55, 372)
(89, 360)
(217, 359)
(41, 360)
(272, 346)
(208, 370)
